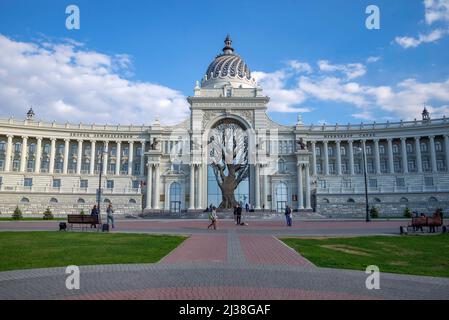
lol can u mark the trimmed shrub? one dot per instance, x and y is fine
(48, 215)
(17, 214)
(374, 213)
(82, 212)
(407, 213)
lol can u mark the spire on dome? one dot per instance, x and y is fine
(228, 49)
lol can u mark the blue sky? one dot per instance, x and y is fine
(132, 61)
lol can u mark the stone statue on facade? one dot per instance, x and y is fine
(154, 144)
(301, 144)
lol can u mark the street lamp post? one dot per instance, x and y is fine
(366, 183)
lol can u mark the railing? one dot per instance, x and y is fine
(71, 190)
(382, 189)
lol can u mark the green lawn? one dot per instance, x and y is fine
(418, 255)
(25, 250)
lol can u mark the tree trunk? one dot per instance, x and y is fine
(227, 191)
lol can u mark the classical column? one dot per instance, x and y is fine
(37, 164)
(265, 189)
(308, 199)
(404, 155)
(79, 160)
(418, 154)
(351, 157)
(23, 155)
(338, 144)
(118, 159)
(192, 187)
(66, 155)
(313, 158)
(8, 153)
(326, 158)
(131, 159)
(156, 187)
(200, 186)
(377, 156)
(51, 168)
(300, 187)
(92, 157)
(433, 156)
(446, 149)
(257, 186)
(142, 156)
(390, 155)
(149, 185)
(105, 152)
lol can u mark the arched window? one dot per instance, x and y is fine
(325, 200)
(281, 196)
(175, 197)
(281, 166)
(132, 201)
(350, 200)
(53, 200)
(403, 199)
(377, 200)
(433, 199)
(25, 200)
(106, 200)
(80, 201)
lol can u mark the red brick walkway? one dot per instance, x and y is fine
(269, 250)
(200, 248)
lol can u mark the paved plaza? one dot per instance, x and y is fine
(234, 262)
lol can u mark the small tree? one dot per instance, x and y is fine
(407, 213)
(48, 215)
(82, 212)
(17, 215)
(374, 213)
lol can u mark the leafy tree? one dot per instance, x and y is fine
(17, 215)
(407, 213)
(48, 215)
(374, 212)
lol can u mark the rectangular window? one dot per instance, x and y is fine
(318, 151)
(425, 165)
(110, 184)
(372, 183)
(400, 182)
(397, 166)
(411, 165)
(428, 181)
(28, 182)
(56, 183)
(136, 184)
(322, 183)
(383, 166)
(346, 183)
(440, 165)
(330, 151)
(318, 168)
(84, 183)
(343, 151)
(381, 149)
(331, 168)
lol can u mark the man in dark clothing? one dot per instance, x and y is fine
(288, 215)
(239, 214)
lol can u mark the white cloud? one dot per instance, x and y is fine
(351, 70)
(275, 86)
(409, 42)
(436, 10)
(66, 81)
(299, 66)
(372, 59)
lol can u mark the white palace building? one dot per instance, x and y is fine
(167, 169)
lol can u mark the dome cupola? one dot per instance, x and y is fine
(228, 68)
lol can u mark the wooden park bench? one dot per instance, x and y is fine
(83, 220)
(432, 223)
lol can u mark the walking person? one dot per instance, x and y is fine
(110, 215)
(213, 218)
(94, 214)
(288, 215)
(235, 214)
(239, 214)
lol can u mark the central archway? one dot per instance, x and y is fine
(228, 169)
